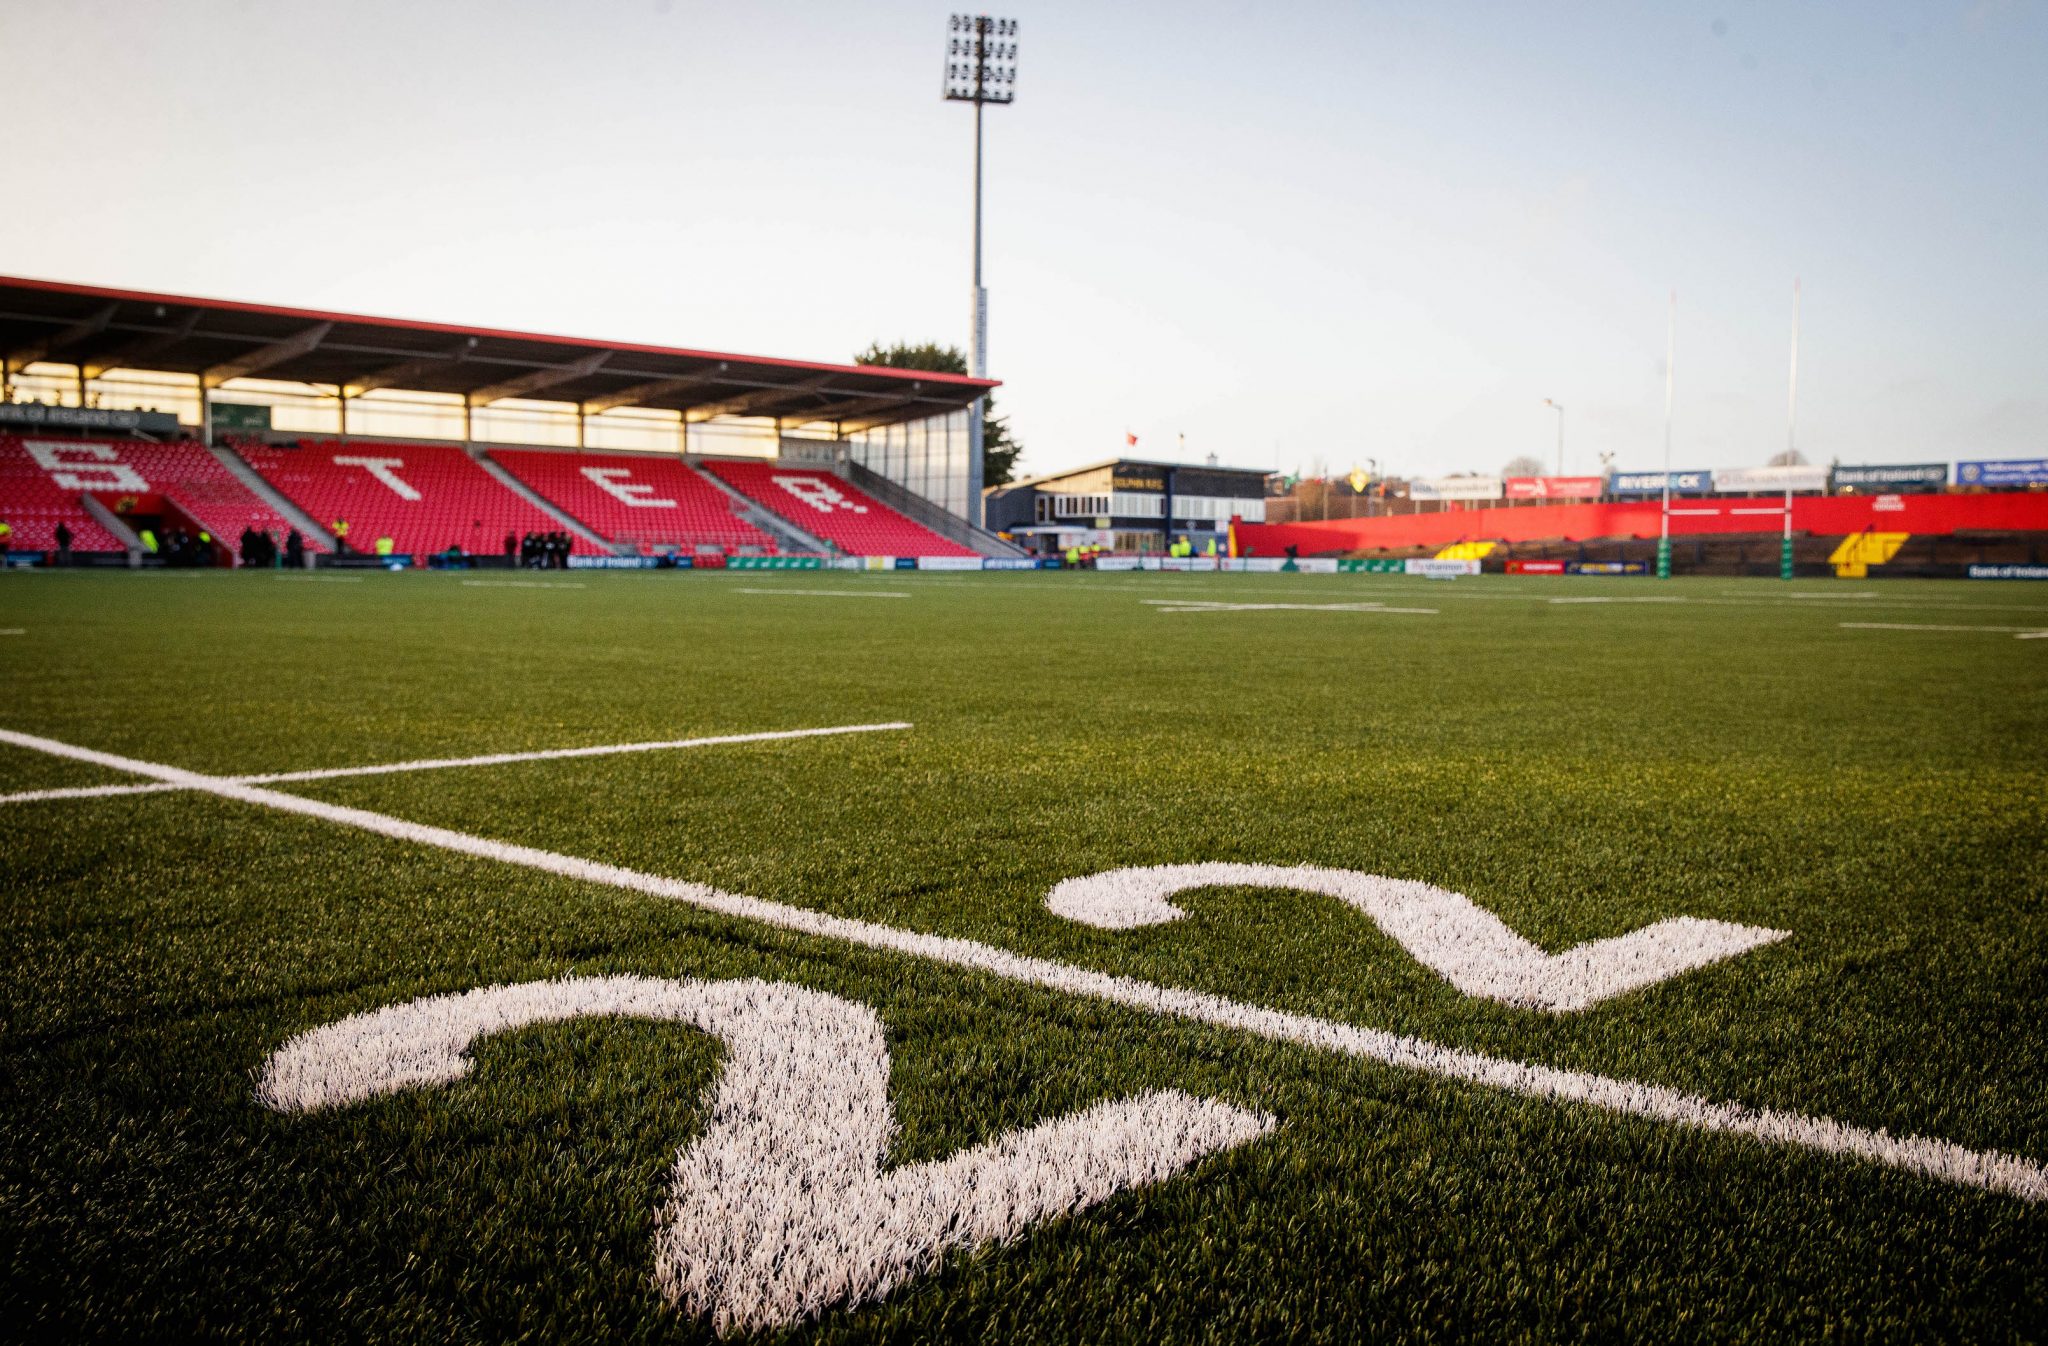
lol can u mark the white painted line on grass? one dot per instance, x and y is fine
(1200, 605)
(520, 584)
(558, 754)
(318, 579)
(2025, 632)
(14, 631)
(831, 593)
(1928, 1156)
(1617, 598)
(439, 763)
(1393, 586)
(86, 792)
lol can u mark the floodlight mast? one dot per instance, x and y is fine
(981, 67)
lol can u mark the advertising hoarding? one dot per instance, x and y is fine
(1652, 483)
(33, 414)
(2006, 472)
(1892, 477)
(1555, 488)
(1454, 488)
(1779, 479)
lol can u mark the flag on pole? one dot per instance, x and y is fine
(1130, 440)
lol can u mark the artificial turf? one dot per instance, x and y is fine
(1580, 769)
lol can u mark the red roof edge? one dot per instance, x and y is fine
(451, 329)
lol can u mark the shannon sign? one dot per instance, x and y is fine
(1555, 488)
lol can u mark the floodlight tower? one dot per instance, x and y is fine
(981, 68)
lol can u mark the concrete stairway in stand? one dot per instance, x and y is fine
(271, 496)
(544, 505)
(786, 534)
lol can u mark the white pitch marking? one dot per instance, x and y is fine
(520, 584)
(1462, 942)
(1200, 605)
(831, 593)
(318, 579)
(2025, 632)
(1612, 598)
(1931, 1157)
(438, 763)
(781, 1209)
(88, 792)
(1827, 595)
(1394, 585)
(2032, 635)
(14, 631)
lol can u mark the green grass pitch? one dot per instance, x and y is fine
(1577, 769)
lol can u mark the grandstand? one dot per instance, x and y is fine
(44, 482)
(425, 497)
(196, 483)
(644, 502)
(834, 509)
(33, 501)
(468, 422)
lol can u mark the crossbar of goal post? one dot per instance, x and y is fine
(1784, 546)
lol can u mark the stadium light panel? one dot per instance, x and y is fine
(981, 59)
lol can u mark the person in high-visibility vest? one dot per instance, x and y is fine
(340, 530)
(1073, 557)
(148, 540)
(385, 546)
(6, 536)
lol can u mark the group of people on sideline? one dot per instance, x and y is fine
(260, 549)
(540, 551)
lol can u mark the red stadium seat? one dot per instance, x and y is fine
(829, 507)
(424, 497)
(648, 500)
(41, 481)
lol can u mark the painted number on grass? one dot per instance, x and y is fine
(781, 1209)
(1447, 932)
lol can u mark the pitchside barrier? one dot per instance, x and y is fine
(1429, 567)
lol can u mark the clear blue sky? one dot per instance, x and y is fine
(1292, 233)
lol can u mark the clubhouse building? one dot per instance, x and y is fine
(1129, 505)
